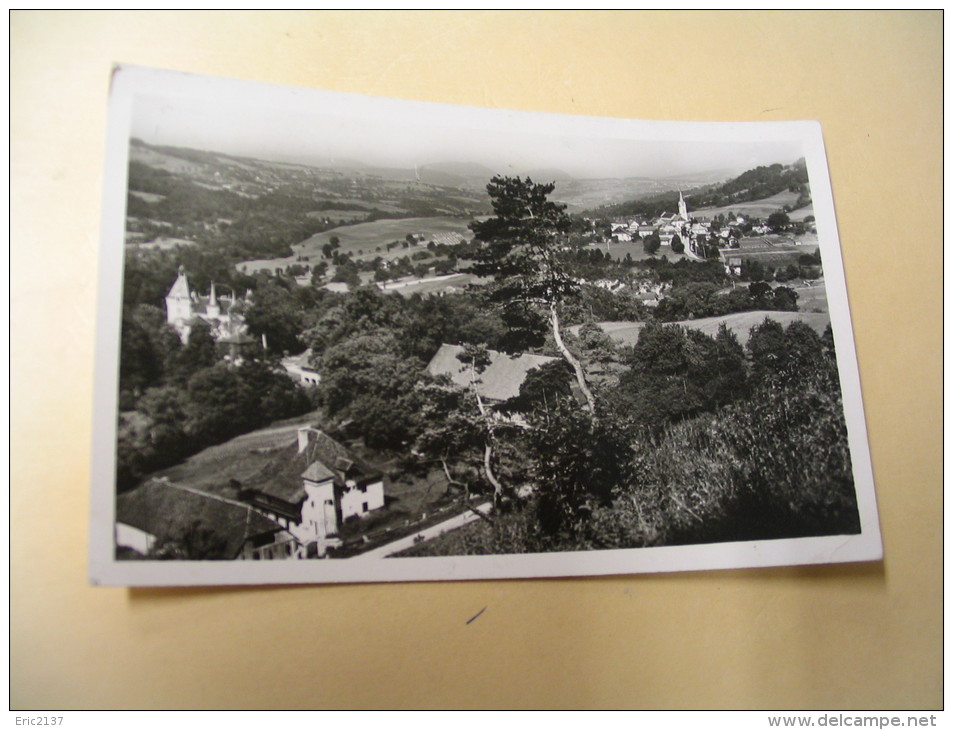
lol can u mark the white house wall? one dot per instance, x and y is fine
(318, 515)
(131, 537)
(357, 503)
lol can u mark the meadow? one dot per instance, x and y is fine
(758, 208)
(362, 240)
(627, 333)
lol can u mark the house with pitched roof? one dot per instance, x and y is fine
(315, 492)
(203, 526)
(291, 506)
(500, 381)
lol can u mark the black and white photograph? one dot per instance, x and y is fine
(346, 338)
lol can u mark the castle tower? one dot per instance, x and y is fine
(178, 302)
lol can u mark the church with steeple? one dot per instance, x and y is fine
(675, 224)
(224, 315)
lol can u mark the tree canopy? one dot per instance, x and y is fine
(524, 250)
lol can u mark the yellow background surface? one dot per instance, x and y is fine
(847, 636)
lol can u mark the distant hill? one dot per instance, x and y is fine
(761, 208)
(548, 174)
(752, 185)
(461, 169)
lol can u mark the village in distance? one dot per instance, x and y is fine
(340, 361)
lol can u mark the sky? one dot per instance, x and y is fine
(389, 133)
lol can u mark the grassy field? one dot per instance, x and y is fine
(164, 243)
(148, 197)
(450, 543)
(340, 215)
(241, 458)
(366, 238)
(434, 284)
(812, 298)
(618, 251)
(758, 208)
(627, 333)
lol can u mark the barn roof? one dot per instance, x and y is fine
(168, 511)
(500, 381)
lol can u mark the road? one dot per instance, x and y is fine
(429, 533)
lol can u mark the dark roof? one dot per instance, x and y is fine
(323, 458)
(168, 511)
(500, 381)
(324, 450)
(317, 472)
(281, 476)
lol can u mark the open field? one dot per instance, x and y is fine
(811, 297)
(164, 243)
(618, 251)
(773, 241)
(340, 215)
(367, 236)
(758, 208)
(801, 213)
(162, 161)
(627, 333)
(362, 239)
(241, 458)
(385, 207)
(429, 285)
(148, 197)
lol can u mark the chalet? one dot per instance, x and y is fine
(499, 382)
(316, 491)
(160, 513)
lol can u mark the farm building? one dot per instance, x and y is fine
(499, 382)
(160, 514)
(292, 506)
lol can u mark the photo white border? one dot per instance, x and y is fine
(104, 569)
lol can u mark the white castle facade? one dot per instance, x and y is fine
(224, 315)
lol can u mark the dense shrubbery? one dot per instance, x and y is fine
(700, 299)
(214, 404)
(773, 464)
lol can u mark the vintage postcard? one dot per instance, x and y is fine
(345, 339)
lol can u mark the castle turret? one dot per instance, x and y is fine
(213, 309)
(178, 302)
